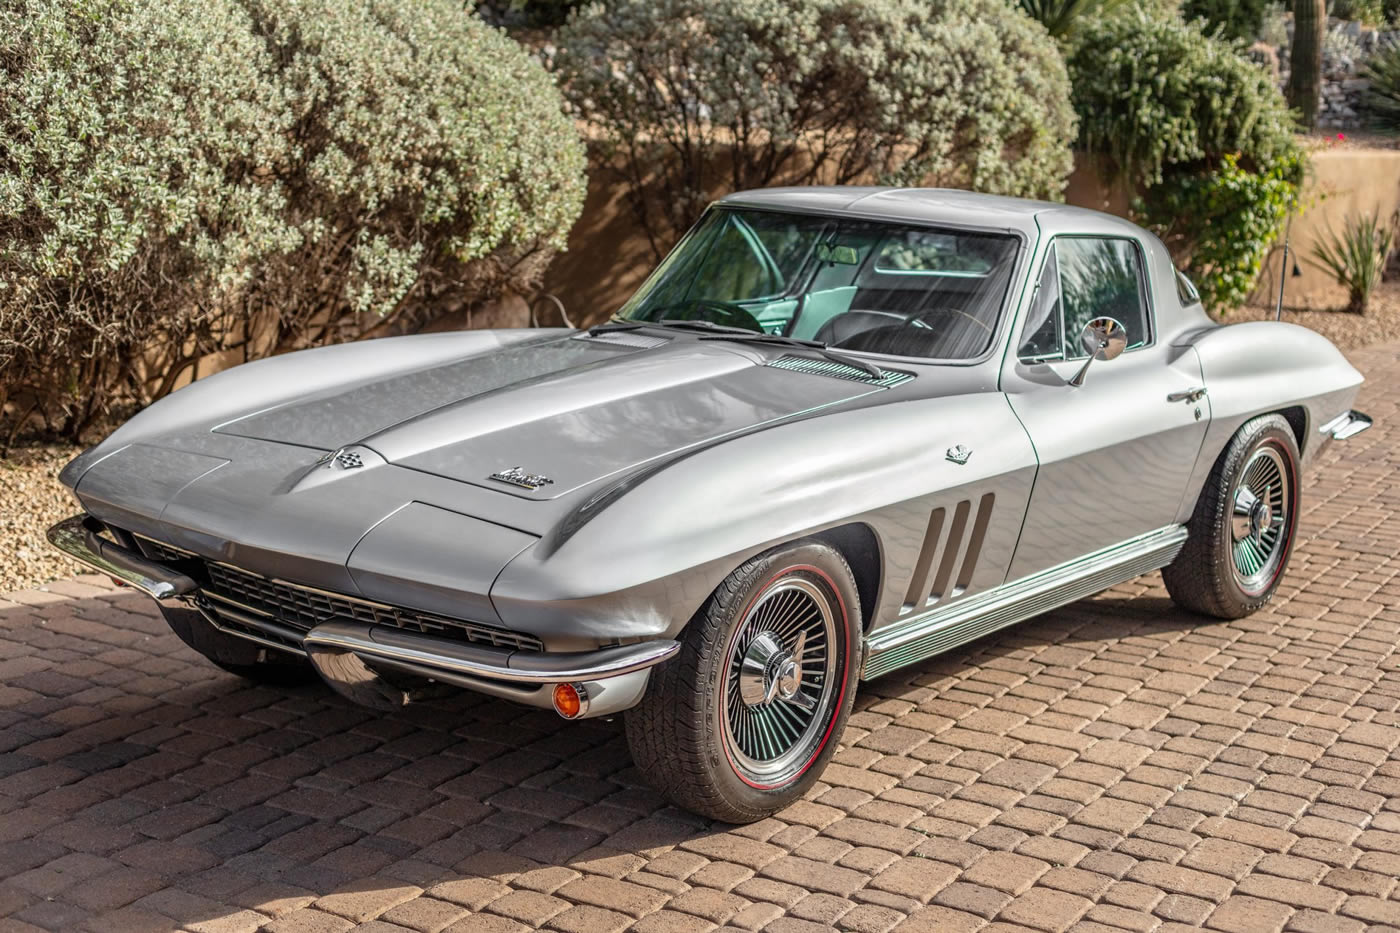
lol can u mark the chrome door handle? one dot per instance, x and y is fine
(1189, 395)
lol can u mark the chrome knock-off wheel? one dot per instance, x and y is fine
(779, 682)
(741, 722)
(1260, 520)
(1241, 531)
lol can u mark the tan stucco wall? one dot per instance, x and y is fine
(608, 256)
(1343, 182)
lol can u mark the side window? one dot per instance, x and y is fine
(1101, 277)
(1043, 339)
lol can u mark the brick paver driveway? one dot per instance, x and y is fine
(1115, 765)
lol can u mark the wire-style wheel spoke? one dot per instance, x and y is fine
(779, 673)
(1260, 519)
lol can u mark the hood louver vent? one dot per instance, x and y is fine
(625, 338)
(803, 364)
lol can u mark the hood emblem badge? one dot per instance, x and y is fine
(518, 477)
(959, 453)
(344, 458)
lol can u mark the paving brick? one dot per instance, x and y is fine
(1045, 909)
(1113, 765)
(1242, 914)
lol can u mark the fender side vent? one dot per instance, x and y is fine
(804, 364)
(958, 543)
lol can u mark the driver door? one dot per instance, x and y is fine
(1115, 453)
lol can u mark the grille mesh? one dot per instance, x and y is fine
(302, 608)
(803, 364)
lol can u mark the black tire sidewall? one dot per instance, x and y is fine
(714, 629)
(1266, 430)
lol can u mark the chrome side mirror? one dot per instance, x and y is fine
(1103, 338)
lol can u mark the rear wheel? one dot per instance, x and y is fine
(1243, 528)
(741, 722)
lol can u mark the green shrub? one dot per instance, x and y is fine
(1062, 17)
(1382, 69)
(1368, 12)
(1202, 132)
(184, 177)
(691, 97)
(1236, 19)
(1152, 92)
(1222, 222)
(1356, 258)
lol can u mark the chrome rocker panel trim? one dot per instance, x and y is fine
(947, 627)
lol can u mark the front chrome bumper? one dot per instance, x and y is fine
(353, 656)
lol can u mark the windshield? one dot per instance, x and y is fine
(853, 284)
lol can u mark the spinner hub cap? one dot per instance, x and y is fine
(780, 681)
(1259, 520)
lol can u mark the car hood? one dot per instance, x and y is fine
(573, 411)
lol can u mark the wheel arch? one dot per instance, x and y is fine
(860, 546)
(1297, 418)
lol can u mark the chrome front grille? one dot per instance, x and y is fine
(301, 608)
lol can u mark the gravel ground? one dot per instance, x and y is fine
(1380, 323)
(31, 498)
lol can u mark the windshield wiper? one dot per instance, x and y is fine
(816, 346)
(708, 327)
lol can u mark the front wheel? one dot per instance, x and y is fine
(1241, 533)
(741, 722)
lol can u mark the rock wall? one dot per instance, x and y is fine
(1348, 46)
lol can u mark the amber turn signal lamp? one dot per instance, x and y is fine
(570, 700)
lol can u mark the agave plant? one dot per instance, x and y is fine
(1060, 17)
(1382, 69)
(1356, 258)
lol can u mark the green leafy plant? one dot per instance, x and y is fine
(1201, 133)
(1382, 69)
(180, 178)
(1367, 12)
(1356, 257)
(1220, 223)
(1235, 19)
(692, 97)
(1063, 17)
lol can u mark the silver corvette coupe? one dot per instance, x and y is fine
(837, 431)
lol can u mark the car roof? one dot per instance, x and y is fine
(940, 205)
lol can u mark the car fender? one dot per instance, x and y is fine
(644, 561)
(1265, 366)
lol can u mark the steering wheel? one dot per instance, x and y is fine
(918, 319)
(709, 309)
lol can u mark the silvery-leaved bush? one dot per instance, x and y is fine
(1201, 132)
(688, 98)
(186, 177)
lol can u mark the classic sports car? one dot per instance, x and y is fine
(837, 431)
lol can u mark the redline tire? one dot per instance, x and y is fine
(734, 727)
